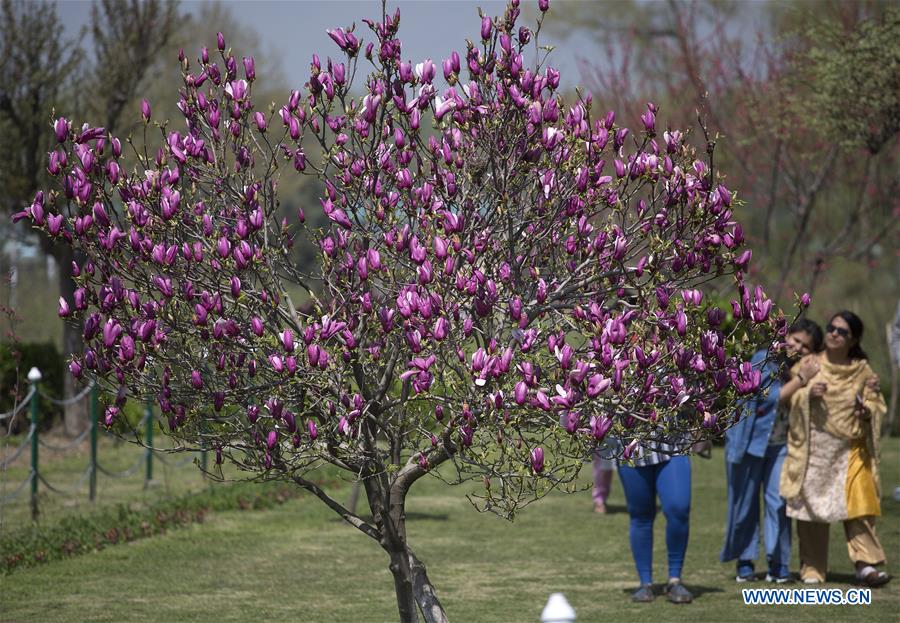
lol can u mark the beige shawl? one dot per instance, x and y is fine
(833, 413)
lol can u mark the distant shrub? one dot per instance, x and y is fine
(15, 362)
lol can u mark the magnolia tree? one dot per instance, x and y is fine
(506, 281)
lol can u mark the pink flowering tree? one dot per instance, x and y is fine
(506, 280)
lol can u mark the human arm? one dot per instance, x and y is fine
(869, 401)
(801, 375)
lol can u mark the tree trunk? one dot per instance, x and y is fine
(414, 590)
(406, 603)
(424, 592)
(76, 414)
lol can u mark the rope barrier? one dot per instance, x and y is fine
(22, 447)
(68, 401)
(73, 489)
(33, 441)
(21, 405)
(19, 489)
(178, 465)
(69, 445)
(124, 473)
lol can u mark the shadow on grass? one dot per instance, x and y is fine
(410, 516)
(843, 578)
(614, 509)
(659, 590)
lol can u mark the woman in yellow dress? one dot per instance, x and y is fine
(831, 469)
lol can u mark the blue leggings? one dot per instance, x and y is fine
(671, 480)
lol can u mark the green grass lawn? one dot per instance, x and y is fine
(297, 563)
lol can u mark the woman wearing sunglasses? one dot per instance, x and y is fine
(831, 470)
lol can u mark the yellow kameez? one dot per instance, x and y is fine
(852, 440)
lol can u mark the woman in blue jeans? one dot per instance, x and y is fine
(658, 473)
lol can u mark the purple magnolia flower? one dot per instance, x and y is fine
(600, 426)
(418, 371)
(715, 316)
(425, 71)
(724, 195)
(614, 331)
(441, 329)
(485, 27)
(236, 89)
(570, 421)
(745, 378)
(649, 121)
(805, 299)
(196, 379)
(520, 394)
(313, 353)
(260, 120)
(537, 460)
(287, 340)
(64, 310)
(339, 37)
(761, 306)
(277, 362)
(743, 259)
(223, 247)
(126, 348)
(145, 111)
(249, 68)
(542, 400)
(597, 384)
(61, 127)
(111, 332)
(692, 296)
(680, 321)
(630, 449)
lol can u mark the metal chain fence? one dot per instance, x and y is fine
(33, 442)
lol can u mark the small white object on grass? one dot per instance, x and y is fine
(558, 610)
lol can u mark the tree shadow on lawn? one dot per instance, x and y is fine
(410, 516)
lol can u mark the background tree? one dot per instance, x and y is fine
(43, 73)
(498, 293)
(820, 190)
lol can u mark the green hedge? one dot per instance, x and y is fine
(79, 534)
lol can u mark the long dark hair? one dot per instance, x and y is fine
(856, 329)
(814, 330)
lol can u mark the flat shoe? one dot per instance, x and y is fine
(875, 578)
(644, 594)
(678, 594)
